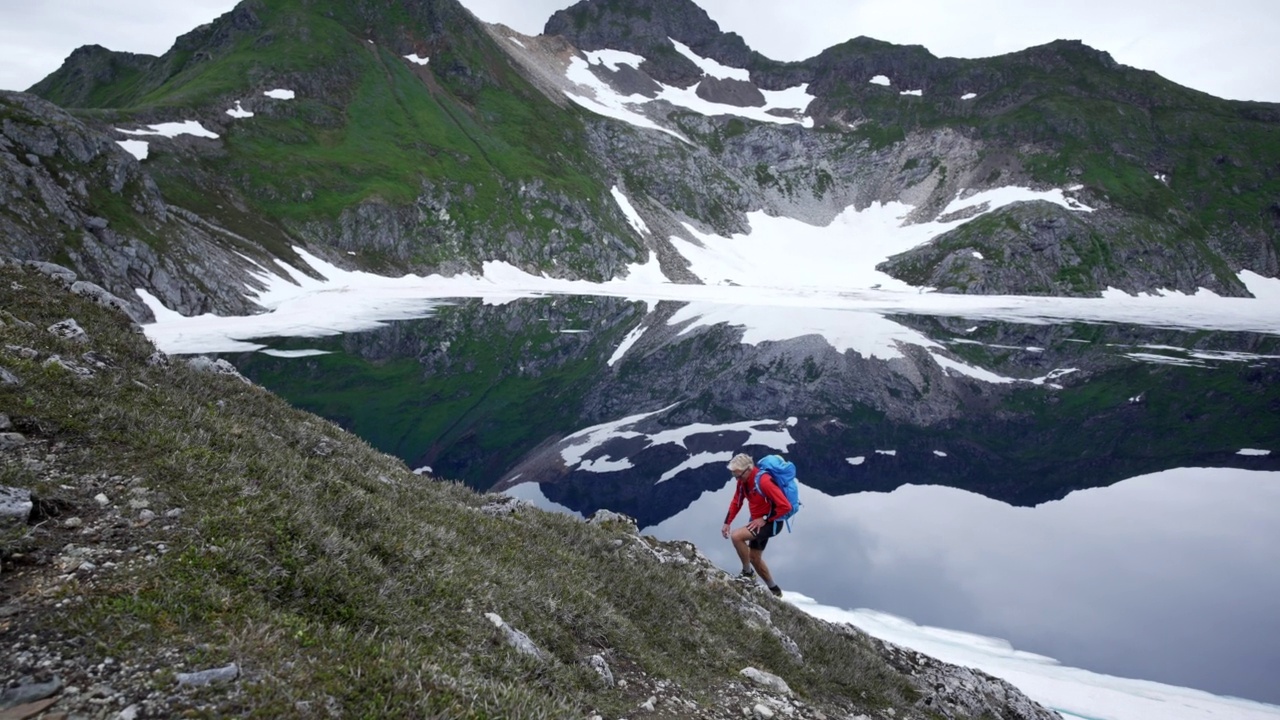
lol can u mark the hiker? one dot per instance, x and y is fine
(766, 506)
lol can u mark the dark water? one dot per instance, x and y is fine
(946, 498)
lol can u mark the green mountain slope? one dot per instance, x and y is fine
(421, 162)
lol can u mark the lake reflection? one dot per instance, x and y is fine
(1168, 577)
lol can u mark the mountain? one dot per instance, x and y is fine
(175, 541)
(415, 138)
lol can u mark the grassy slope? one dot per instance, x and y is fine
(327, 570)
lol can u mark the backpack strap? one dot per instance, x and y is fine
(759, 473)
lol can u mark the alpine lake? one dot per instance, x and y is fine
(1104, 494)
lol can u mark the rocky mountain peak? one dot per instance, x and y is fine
(646, 28)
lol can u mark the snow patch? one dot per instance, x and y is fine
(281, 93)
(419, 60)
(605, 465)
(293, 353)
(627, 342)
(614, 59)
(603, 100)
(136, 148)
(238, 112)
(1253, 452)
(633, 217)
(968, 96)
(1157, 359)
(709, 66)
(881, 80)
(697, 461)
(174, 129)
(917, 93)
(856, 460)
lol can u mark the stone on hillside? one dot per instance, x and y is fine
(15, 506)
(601, 666)
(504, 505)
(205, 677)
(11, 318)
(103, 298)
(98, 360)
(29, 693)
(515, 638)
(56, 272)
(69, 329)
(10, 440)
(73, 368)
(627, 80)
(728, 91)
(8, 378)
(766, 680)
(158, 359)
(601, 517)
(6, 424)
(215, 367)
(762, 711)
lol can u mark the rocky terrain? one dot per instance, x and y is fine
(73, 195)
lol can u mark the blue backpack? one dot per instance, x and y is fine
(784, 474)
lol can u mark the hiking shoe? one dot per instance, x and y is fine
(748, 574)
(777, 591)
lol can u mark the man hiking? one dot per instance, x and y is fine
(766, 504)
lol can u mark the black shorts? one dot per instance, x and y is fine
(760, 538)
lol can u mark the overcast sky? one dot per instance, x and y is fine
(1228, 48)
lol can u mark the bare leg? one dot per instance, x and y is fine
(740, 538)
(757, 561)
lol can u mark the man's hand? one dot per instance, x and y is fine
(724, 531)
(756, 524)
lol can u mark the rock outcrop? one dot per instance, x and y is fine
(74, 196)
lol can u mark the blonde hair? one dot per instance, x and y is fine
(740, 463)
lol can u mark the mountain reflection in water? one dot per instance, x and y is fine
(615, 405)
(591, 403)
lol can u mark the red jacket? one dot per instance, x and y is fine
(769, 503)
